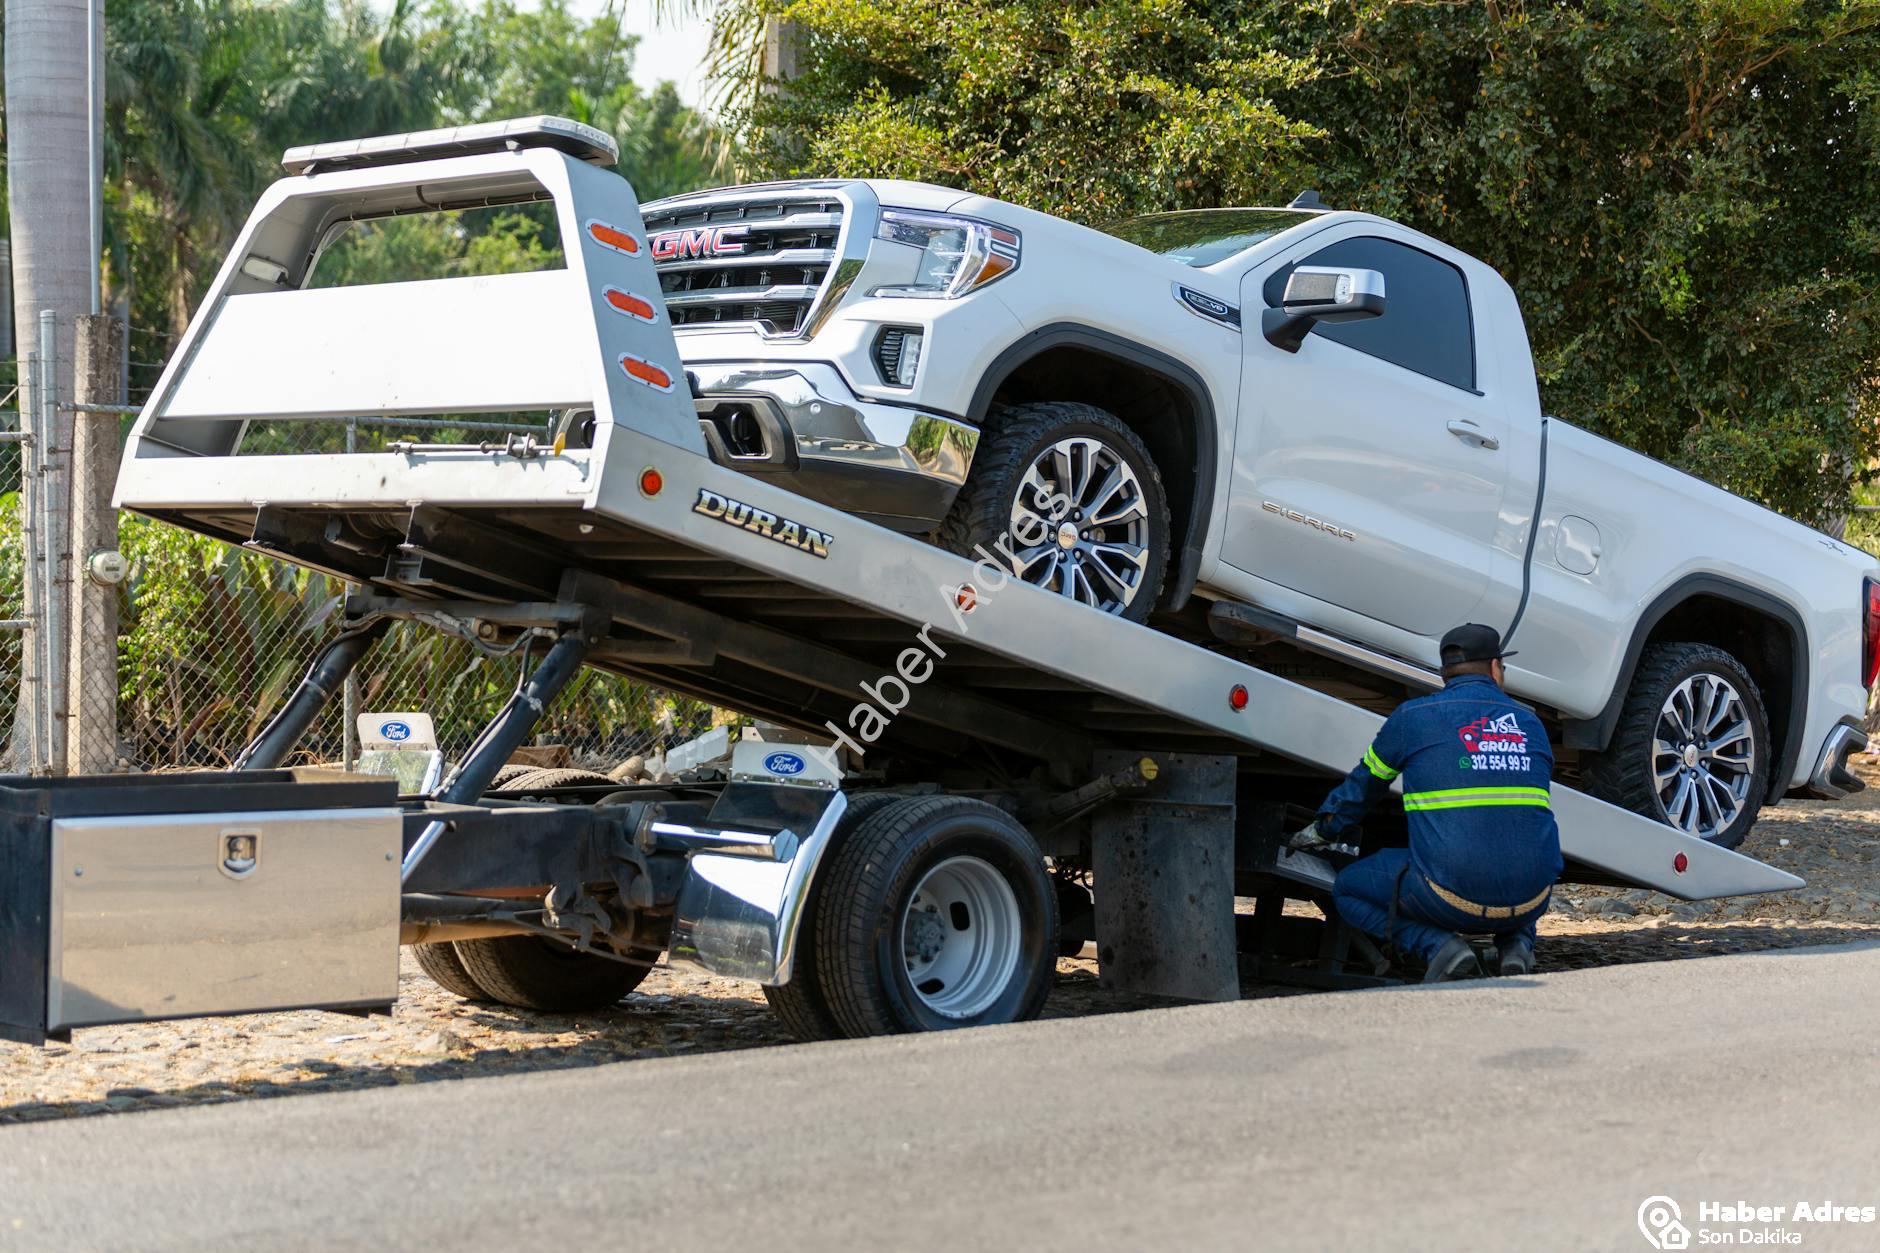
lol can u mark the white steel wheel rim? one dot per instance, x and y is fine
(961, 937)
(1703, 756)
(1080, 524)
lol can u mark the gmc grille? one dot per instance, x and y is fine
(789, 248)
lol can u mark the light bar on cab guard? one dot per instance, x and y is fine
(576, 139)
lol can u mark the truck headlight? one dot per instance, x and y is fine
(957, 255)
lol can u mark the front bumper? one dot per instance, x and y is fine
(891, 464)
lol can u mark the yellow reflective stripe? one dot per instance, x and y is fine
(1509, 789)
(1538, 802)
(1377, 766)
(1469, 797)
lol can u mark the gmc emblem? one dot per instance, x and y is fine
(699, 242)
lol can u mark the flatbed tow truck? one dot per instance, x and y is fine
(924, 882)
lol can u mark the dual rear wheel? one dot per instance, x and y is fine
(928, 913)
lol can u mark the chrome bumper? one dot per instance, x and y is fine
(1832, 779)
(890, 464)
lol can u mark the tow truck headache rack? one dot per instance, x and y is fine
(1165, 772)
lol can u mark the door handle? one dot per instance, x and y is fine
(1472, 435)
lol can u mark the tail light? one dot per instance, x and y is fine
(1870, 635)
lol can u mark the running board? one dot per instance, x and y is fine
(1234, 623)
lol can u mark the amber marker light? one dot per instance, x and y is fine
(643, 371)
(613, 237)
(631, 305)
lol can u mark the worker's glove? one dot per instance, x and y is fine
(1308, 840)
(1313, 840)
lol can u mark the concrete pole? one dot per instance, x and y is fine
(92, 746)
(51, 113)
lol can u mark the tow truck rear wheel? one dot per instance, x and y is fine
(441, 963)
(935, 912)
(799, 1004)
(1692, 745)
(533, 972)
(1074, 503)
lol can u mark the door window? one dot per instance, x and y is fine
(1425, 326)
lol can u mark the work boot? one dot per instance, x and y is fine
(1517, 954)
(1454, 960)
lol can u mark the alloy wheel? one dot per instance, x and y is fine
(1080, 524)
(1703, 756)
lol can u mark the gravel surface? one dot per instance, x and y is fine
(432, 1035)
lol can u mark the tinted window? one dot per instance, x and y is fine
(1201, 237)
(1425, 325)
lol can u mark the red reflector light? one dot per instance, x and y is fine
(631, 305)
(967, 599)
(1237, 699)
(1680, 863)
(652, 482)
(646, 372)
(1870, 634)
(613, 237)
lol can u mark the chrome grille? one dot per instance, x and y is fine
(789, 248)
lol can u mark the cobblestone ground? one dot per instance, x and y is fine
(434, 1036)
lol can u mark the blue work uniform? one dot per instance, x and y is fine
(1484, 851)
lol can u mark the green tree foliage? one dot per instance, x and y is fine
(203, 96)
(1087, 109)
(1685, 193)
(1686, 196)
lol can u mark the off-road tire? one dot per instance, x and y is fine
(544, 780)
(1622, 774)
(799, 1004)
(531, 972)
(510, 773)
(443, 967)
(867, 882)
(981, 515)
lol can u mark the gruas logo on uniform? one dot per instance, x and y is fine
(1495, 742)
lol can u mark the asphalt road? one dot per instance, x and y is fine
(1532, 1114)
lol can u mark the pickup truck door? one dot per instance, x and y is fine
(1369, 467)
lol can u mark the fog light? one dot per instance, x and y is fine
(897, 354)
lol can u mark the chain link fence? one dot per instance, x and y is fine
(12, 551)
(212, 638)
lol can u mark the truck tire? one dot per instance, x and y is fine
(510, 773)
(799, 1004)
(544, 779)
(1074, 500)
(441, 964)
(532, 972)
(935, 912)
(1692, 745)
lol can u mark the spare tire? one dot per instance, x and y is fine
(534, 972)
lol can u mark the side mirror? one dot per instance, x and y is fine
(1321, 294)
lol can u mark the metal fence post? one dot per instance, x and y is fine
(31, 724)
(349, 696)
(93, 646)
(53, 542)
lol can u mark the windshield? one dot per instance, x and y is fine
(1200, 237)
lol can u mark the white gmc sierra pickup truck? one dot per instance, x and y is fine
(1271, 423)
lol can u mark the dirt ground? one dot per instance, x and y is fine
(433, 1036)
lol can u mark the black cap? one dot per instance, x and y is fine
(1472, 642)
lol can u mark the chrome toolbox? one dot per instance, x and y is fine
(126, 898)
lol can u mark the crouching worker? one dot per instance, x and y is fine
(1484, 851)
